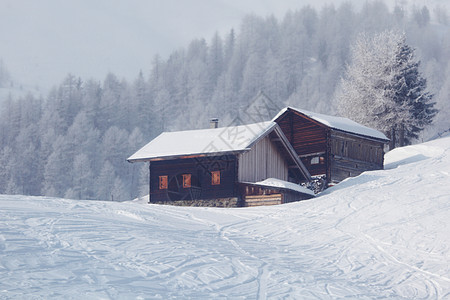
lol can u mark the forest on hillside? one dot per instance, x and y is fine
(74, 141)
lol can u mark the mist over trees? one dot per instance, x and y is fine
(74, 141)
(5, 76)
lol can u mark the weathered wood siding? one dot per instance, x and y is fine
(261, 162)
(356, 148)
(326, 151)
(254, 194)
(259, 200)
(351, 155)
(200, 168)
(307, 138)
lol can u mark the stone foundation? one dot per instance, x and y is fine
(220, 202)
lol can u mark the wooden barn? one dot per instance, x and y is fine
(224, 167)
(332, 146)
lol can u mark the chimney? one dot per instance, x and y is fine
(214, 123)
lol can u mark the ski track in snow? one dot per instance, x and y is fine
(382, 235)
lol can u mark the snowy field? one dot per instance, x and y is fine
(384, 234)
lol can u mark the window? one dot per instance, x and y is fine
(163, 182)
(215, 177)
(186, 181)
(317, 160)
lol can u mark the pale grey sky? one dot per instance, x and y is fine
(41, 41)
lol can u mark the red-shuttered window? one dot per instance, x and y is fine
(163, 182)
(186, 181)
(215, 177)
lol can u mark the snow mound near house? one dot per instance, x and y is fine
(383, 234)
(278, 183)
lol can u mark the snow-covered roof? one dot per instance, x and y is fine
(278, 183)
(203, 141)
(339, 123)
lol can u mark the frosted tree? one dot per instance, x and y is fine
(230, 42)
(253, 77)
(115, 148)
(83, 136)
(57, 170)
(28, 176)
(105, 182)
(109, 110)
(7, 164)
(83, 178)
(274, 83)
(135, 141)
(443, 103)
(362, 96)
(66, 100)
(143, 180)
(142, 113)
(410, 95)
(215, 58)
(118, 192)
(92, 93)
(383, 88)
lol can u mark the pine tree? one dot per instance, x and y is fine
(383, 88)
(411, 94)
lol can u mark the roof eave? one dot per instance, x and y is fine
(376, 139)
(294, 110)
(263, 134)
(186, 156)
(289, 108)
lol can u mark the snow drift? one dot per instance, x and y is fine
(383, 234)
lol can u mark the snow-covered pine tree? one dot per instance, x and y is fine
(383, 88)
(362, 95)
(411, 94)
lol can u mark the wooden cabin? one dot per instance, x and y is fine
(331, 146)
(223, 166)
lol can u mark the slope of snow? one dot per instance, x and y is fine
(381, 235)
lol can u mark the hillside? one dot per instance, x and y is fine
(63, 141)
(383, 234)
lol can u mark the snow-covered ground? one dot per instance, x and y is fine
(384, 234)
